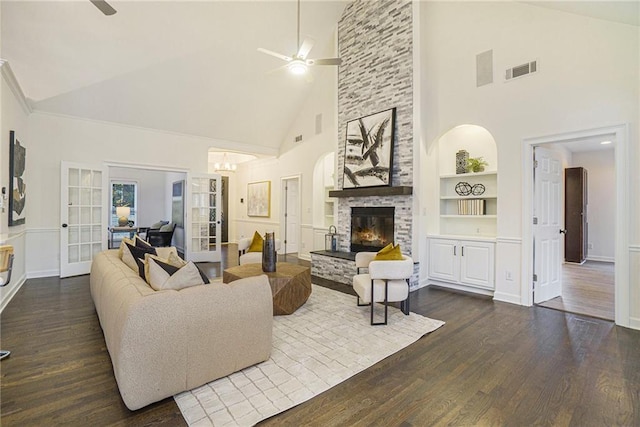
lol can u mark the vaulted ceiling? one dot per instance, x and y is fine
(189, 67)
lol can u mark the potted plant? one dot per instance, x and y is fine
(476, 164)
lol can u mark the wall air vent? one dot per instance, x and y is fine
(521, 70)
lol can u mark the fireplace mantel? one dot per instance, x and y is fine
(373, 191)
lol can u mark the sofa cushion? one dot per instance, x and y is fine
(130, 253)
(163, 276)
(256, 243)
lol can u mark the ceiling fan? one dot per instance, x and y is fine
(104, 7)
(298, 62)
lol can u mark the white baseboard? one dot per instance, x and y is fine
(8, 297)
(459, 287)
(634, 323)
(601, 258)
(421, 284)
(306, 257)
(505, 297)
(43, 273)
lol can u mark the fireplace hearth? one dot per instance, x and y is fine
(371, 228)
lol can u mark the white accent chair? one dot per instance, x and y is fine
(388, 281)
(245, 257)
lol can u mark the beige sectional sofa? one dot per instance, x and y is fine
(164, 342)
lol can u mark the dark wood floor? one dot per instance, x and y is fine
(491, 364)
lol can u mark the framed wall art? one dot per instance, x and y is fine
(17, 186)
(259, 199)
(368, 154)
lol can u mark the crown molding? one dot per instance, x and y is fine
(10, 78)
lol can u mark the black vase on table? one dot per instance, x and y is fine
(269, 253)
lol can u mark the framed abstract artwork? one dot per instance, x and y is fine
(17, 186)
(368, 156)
(259, 199)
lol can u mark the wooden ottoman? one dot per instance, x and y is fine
(290, 284)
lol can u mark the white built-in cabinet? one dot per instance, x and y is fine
(462, 262)
(462, 249)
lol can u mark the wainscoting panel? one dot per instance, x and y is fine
(42, 254)
(508, 280)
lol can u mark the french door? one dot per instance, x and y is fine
(204, 216)
(83, 217)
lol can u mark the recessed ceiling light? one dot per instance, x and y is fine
(605, 142)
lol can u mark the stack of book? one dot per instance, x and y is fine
(471, 207)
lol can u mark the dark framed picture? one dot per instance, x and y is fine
(177, 204)
(17, 186)
(368, 158)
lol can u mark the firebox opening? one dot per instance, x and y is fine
(371, 228)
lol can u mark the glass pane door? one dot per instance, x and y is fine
(83, 232)
(205, 218)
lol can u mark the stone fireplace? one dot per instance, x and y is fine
(364, 88)
(371, 228)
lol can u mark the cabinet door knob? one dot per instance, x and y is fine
(462, 250)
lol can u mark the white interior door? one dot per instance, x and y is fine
(83, 215)
(204, 218)
(291, 212)
(547, 236)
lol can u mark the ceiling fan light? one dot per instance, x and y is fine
(297, 66)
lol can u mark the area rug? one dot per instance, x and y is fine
(325, 342)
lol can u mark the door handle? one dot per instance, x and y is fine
(64, 225)
(563, 231)
(454, 250)
(462, 250)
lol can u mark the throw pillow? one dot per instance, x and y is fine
(165, 252)
(256, 243)
(175, 261)
(130, 253)
(141, 243)
(158, 224)
(386, 249)
(166, 227)
(163, 276)
(123, 243)
(391, 255)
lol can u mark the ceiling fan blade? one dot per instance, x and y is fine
(306, 47)
(324, 61)
(272, 53)
(104, 7)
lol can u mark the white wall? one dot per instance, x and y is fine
(14, 113)
(57, 138)
(152, 193)
(601, 208)
(587, 78)
(296, 159)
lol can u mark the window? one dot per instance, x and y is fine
(123, 193)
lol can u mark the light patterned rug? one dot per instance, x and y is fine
(325, 342)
